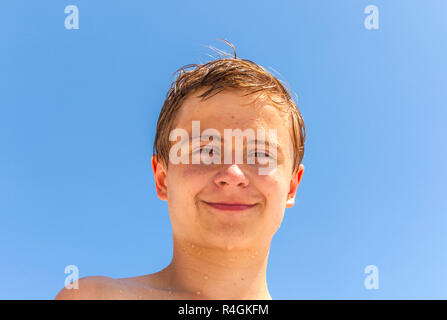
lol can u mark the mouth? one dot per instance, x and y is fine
(230, 206)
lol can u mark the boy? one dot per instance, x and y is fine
(224, 212)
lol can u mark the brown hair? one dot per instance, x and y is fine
(221, 74)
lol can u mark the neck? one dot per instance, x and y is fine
(210, 273)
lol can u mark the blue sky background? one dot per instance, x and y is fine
(78, 110)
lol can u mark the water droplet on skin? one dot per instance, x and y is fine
(205, 277)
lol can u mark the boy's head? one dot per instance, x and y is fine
(228, 94)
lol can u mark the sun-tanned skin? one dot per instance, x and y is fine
(215, 256)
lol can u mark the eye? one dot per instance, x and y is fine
(206, 150)
(262, 154)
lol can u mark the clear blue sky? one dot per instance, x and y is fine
(78, 110)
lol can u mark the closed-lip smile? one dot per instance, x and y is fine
(230, 206)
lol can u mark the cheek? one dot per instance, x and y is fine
(184, 182)
(274, 187)
(275, 191)
(193, 179)
(183, 185)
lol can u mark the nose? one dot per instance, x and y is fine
(231, 175)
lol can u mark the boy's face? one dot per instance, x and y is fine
(190, 188)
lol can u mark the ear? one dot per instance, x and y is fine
(294, 183)
(160, 178)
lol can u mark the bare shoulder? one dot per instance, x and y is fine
(91, 288)
(105, 288)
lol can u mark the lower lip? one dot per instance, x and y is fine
(226, 207)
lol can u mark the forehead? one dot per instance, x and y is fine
(230, 109)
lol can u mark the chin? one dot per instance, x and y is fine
(230, 240)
